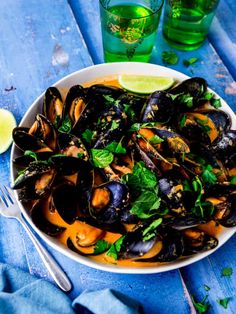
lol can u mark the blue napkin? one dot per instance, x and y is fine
(22, 293)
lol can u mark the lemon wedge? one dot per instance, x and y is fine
(141, 84)
(7, 124)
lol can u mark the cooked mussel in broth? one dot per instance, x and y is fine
(130, 179)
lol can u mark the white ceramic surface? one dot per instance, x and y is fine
(90, 74)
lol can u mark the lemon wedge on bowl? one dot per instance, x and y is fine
(142, 84)
(7, 124)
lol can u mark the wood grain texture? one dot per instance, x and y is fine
(223, 34)
(40, 43)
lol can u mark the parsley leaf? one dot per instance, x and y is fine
(129, 111)
(143, 186)
(115, 147)
(216, 103)
(183, 121)
(66, 126)
(224, 302)
(88, 135)
(155, 140)
(115, 248)
(114, 125)
(101, 247)
(137, 126)
(101, 158)
(226, 272)
(202, 306)
(208, 175)
(233, 179)
(31, 154)
(149, 233)
(146, 204)
(188, 62)
(169, 57)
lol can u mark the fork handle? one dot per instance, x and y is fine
(54, 269)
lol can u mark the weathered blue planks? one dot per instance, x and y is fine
(223, 34)
(53, 47)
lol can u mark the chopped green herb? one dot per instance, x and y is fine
(101, 158)
(207, 288)
(155, 140)
(233, 179)
(203, 124)
(149, 233)
(115, 147)
(183, 121)
(66, 126)
(146, 205)
(130, 112)
(115, 248)
(188, 62)
(186, 100)
(207, 96)
(226, 272)
(137, 126)
(169, 57)
(109, 98)
(216, 103)
(101, 247)
(31, 154)
(224, 302)
(80, 155)
(208, 175)
(88, 135)
(114, 125)
(202, 306)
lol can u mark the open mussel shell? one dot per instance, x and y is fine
(134, 103)
(67, 165)
(226, 145)
(101, 90)
(44, 130)
(74, 103)
(38, 216)
(64, 200)
(108, 200)
(165, 245)
(159, 108)
(196, 241)
(205, 126)
(53, 105)
(71, 145)
(25, 141)
(38, 177)
(112, 125)
(25, 160)
(225, 211)
(194, 86)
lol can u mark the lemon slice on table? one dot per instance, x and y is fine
(145, 84)
(7, 124)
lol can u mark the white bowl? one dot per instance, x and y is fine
(90, 74)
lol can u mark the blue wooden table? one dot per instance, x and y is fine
(42, 41)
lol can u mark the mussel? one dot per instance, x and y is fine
(53, 105)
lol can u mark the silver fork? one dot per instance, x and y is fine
(9, 208)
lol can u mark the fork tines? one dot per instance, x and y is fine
(5, 195)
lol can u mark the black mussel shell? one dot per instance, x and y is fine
(25, 141)
(64, 200)
(132, 105)
(25, 160)
(195, 87)
(226, 145)
(118, 199)
(159, 108)
(67, 165)
(74, 103)
(99, 91)
(196, 240)
(225, 212)
(44, 130)
(39, 219)
(53, 105)
(71, 145)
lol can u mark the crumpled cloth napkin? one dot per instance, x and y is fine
(22, 293)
